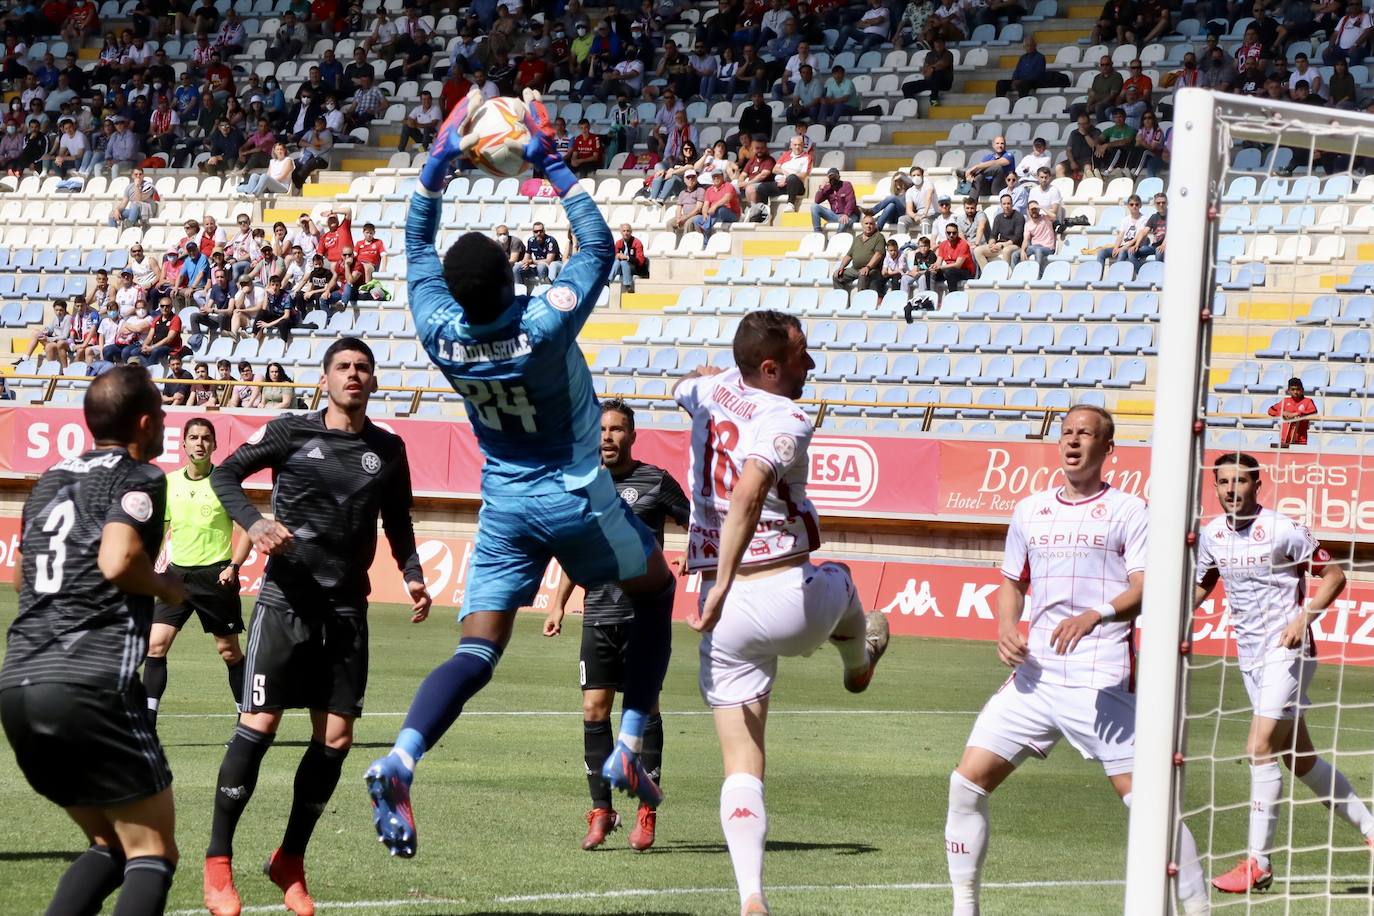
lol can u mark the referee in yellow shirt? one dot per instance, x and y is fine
(201, 554)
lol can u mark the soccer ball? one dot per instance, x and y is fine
(499, 127)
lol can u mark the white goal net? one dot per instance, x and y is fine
(1269, 276)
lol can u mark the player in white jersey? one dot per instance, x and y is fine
(1265, 558)
(1080, 551)
(751, 536)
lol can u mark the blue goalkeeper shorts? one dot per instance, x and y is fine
(591, 532)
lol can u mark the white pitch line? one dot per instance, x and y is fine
(384, 905)
(538, 713)
(790, 889)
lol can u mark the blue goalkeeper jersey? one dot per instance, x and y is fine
(523, 378)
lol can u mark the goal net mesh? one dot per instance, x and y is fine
(1287, 294)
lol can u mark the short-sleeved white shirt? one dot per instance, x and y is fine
(1076, 556)
(1047, 198)
(732, 423)
(1264, 568)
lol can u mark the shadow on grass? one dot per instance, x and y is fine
(1359, 891)
(220, 744)
(844, 849)
(34, 855)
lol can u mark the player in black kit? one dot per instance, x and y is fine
(71, 701)
(654, 496)
(335, 473)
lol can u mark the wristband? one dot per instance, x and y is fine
(560, 176)
(1106, 611)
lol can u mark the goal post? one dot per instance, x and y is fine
(1289, 262)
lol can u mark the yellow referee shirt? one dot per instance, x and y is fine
(202, 532)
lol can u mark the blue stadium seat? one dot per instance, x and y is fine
(632, 361)
(995, 397)
(1348, 382)
(1014, 430)
(1110, 307)
(973, 339)
(649, 327)
(1324, 309)
(1118, 275)
(691, 359)
(999, 370)
(995, 274)
(814, 273)
(1085, 275)
(880, 337)
(834, 302)
(1095, 370)
(703, 330)
(1024, 274)
(784, 271)
(804, 301)
(965, 368)
(1057, 275)
(1358, 310)
(757, 271)
(1079, 307)
(913, 335)
(950, 428)
(852, 333)
(942, 335)
(688, 300)
(839, 367)
(983, 305)
(1070, 339)
(894, 399)
(902, 369)
(1047, 305)
(862, 393)
(1006, 337)
(1361, 281)
(1346, 414)
(954, 305)
(745, 300)
(1032, 368)
(1354, 346)
(1128, 372)
(1243, 375)
(717, 301)
(891, 305)
(1261, 405)
(1104, 337)
(1137, 339)
(728, 269)
(1284, 341)
(1038, 337)
(1314, 378)
(1143, 307)
(1062, 371)
(872, 367)
(663, 362)
(953, 400)
(933, 368)
(1316, 343)
(1016, 307)
(822, 333)
(723, 359)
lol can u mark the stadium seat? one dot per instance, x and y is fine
(1071, 338)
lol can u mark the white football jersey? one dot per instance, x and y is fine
(1264, 567)
(731, 423)
(1076, 556)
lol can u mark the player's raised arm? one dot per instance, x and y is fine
(746, 506)
(429, 295)
(268, 448)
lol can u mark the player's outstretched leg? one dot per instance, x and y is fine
(1331, 786)
(436, 706)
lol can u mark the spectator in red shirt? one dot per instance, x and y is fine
(533, 73)
(630, 261)
(722, 205)
(586, 152)
(370, 251)
(1293, 410)
(338, 236)
(953, 259)
(455, 88)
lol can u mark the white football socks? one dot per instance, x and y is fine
(1191, 883)
(966, 842)
(1266, 786)
(1330, 785)
(745, 823)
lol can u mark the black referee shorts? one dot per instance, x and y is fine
(80, 745)
(313, 660)
(601, 664)
(216, 605)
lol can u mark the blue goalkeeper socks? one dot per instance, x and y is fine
(442, 695)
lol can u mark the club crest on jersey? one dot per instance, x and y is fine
(561, 298)
(786, 447)
(138, 504)
(1099, 512)
(371, 463)
(1258, 532)
(630, 495)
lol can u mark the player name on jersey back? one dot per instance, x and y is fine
(1264, 566)
(732, 423)
(1077, 555)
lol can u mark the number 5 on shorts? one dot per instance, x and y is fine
(259, 689)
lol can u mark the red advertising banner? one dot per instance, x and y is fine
(942, 601)
(965, 480)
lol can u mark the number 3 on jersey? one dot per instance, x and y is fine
(47, 570)
(491, 399)
(718, 469)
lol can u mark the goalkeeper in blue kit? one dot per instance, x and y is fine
(545, 495)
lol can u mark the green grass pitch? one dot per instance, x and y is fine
(856, 795)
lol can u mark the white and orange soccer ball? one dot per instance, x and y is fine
(496, 137)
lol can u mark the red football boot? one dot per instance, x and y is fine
(600, 821)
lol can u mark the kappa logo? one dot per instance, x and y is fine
(371, 463)
(1099, 512)
(742, 813)
(315, 453)
(1045, 510)
(630, 495)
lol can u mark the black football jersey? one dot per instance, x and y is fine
(74, 625)
(654, 496)
(329, 488)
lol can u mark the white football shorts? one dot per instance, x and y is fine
(1026, 717)
(1278, 688)
(789, 614)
